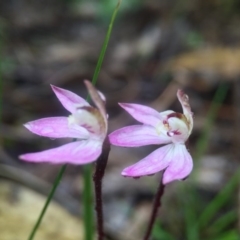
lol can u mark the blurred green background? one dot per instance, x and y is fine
(156, 47)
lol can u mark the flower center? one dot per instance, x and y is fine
(90, 119)
(176, 127)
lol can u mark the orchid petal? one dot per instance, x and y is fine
(154, 162)
(80, 152)
(180, 166)
(56, 127)
(137, 135)
(142, 113)
(69, 100)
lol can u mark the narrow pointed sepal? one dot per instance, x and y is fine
(143, 113)
(80, 152)
(137, 135)
(69, 100)
(56, 127)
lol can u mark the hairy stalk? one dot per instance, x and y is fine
(49, 198)
(97, 178)
(156, 206)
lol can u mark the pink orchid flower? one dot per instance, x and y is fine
(167, 127)
(87, 124)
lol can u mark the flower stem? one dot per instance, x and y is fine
(97, 178)
(156, 206)
(49, 198)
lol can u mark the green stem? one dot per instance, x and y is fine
(49, 198)
(88, 202)
(105, 44)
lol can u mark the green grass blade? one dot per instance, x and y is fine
(223, 222)
(88, 202)
(49, 198)
(159, 233)
(218, 202)
(105, 44)
(190, 216)
(87, 191)
(202, 143)
(230, 235)
(192, 230)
